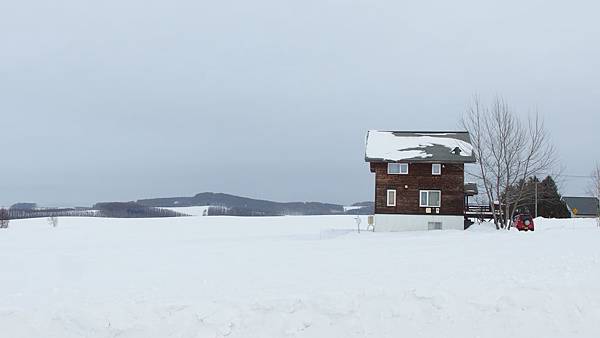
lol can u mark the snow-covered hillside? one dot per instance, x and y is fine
(295, 277)
(192, 211)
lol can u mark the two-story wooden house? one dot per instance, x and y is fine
(419, 178)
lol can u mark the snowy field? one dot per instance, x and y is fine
(295, 277)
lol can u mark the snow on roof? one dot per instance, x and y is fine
(394, 146)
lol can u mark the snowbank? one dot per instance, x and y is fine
(309, 276)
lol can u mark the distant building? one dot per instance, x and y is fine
(582, 207)
(419, 179)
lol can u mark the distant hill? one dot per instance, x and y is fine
(361, 208)
(226, 204)
(23, 206)
(131, 210)
(364, 204)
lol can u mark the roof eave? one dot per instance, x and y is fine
(469, 161)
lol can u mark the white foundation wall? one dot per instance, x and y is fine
(395, 222)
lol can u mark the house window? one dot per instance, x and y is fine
(398, 168)
(430, 198)
(391, 198)
(436, 169)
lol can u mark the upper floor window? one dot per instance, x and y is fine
(436, 169)
(430, 198)
(398, 168)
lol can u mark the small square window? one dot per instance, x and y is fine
(436, 169)
(391, 198)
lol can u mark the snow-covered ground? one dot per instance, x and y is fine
(192, 211)
(295, 277)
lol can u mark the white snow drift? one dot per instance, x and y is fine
(295, 277)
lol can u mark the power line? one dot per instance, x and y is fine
(558, 175)
(575, 176)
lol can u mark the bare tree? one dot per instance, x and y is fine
(508, 152)
(4, 218)
(53, 221)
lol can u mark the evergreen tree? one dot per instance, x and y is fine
(549, 201)
(551, 205)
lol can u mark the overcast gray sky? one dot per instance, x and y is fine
(119, 100)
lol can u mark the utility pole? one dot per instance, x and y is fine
(536, 198)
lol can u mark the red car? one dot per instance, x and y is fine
(524, 222)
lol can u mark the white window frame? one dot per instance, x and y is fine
(428, 205)
(436, 165)
(387, 197)
(400, 167)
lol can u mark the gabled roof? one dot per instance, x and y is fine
(412, 146)
(586, 206)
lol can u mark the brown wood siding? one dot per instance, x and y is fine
(450, 183)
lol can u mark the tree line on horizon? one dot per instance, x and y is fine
(105, 209)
